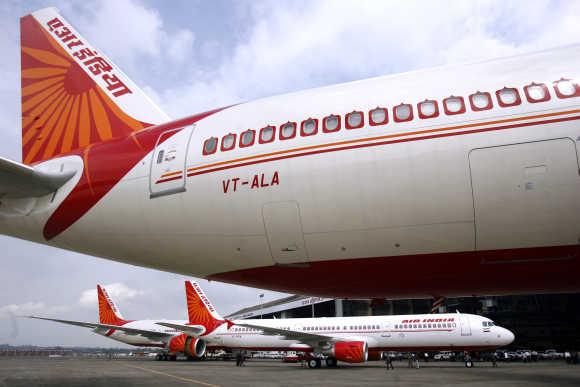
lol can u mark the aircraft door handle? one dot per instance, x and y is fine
(289, 249)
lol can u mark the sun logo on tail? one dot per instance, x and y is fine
(62, 107)
(108, 311)
(200, 309)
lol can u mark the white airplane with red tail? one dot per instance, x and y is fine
(140, 333)
(346, 339)
(451, 181)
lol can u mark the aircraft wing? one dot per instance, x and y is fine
(312, 339)
(130, 331)
(22, 181)
(192, 330)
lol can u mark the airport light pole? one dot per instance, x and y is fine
(261, 296)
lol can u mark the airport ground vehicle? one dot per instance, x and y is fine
(444, 355)
(551, 354)
(346, 339)
(407, 171)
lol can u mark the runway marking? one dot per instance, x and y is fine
(174, 376)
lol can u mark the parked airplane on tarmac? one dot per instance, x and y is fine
(451, 181)
(347, 339)
(141, 333)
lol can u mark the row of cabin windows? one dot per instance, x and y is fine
(423, 326)
(479, 101)
(345, 327)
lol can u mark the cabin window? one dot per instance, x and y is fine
(288, 131)
(209, 146)
(403, 112)
(536, 92)
(267, 134)
(378, 116)
(480, 101)
(565, 88)
(428, 109)
(309, 127)
(354, 120)
(247, 138)
(454, 105)
(228, 142)
(508, 96)
(331, 123)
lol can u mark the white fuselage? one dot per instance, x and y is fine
(452, 331)
(450, 187)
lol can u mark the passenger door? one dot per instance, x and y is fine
(464, 325)
(168, 172)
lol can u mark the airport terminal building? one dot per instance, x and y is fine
(540, 321)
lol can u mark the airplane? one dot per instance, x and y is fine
(453, 181)
(346, 339)
(140, 333)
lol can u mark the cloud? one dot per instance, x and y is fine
(302, 45)
(31, 308)
(117, 291)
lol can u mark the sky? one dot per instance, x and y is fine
(194, 55)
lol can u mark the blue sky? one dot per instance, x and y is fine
(194, 55)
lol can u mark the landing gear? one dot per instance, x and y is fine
(468, 361)
(165, 357)
(331, 362)
(314, 363)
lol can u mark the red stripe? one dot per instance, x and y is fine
(169, 179)
(512, 271)
(409, 139)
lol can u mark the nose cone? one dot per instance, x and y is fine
(505, 336)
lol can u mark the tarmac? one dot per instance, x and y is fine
(144, 372)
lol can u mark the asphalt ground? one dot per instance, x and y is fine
(144, 372)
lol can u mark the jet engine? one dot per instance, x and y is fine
(349, 351)
(190, 346)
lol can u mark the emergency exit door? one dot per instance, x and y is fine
(168, 172)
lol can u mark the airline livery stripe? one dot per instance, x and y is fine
(171, 174)
(358, 140)
(365, 145)
(169, 179)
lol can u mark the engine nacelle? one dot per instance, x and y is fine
(350, 351)
(190, 346)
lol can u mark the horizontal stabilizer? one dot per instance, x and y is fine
(21, 181)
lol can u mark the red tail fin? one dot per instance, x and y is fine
(200, 309)
(108, 311)
(72, 95)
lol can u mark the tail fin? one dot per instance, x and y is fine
(72, 95)
(200, 309)
(108, 311)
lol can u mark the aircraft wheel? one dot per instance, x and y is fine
(313, 363)
(469, 363)
(331, 362)
(172, 357)
(158, 357)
